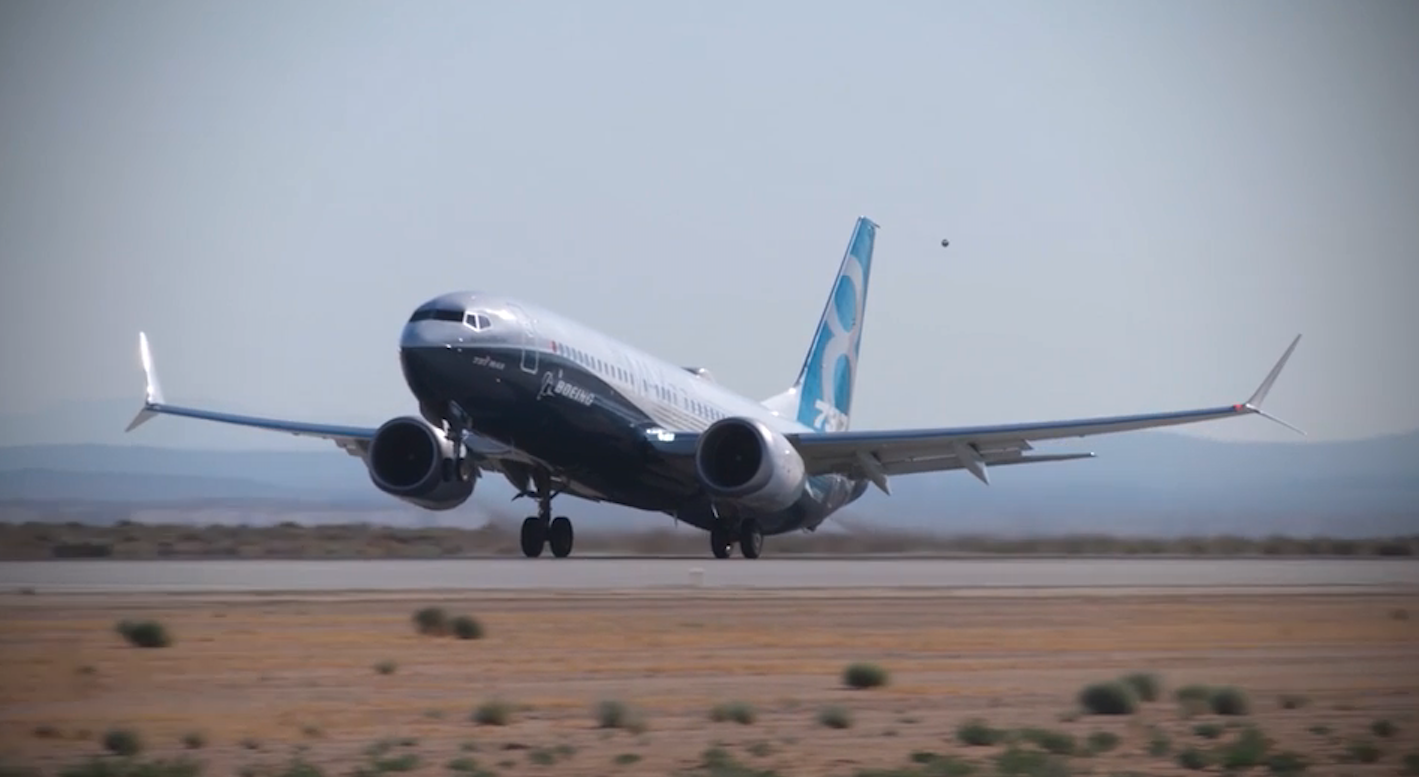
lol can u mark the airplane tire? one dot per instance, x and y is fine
(751, 538)
(560, 536)
(534, 537)
(720, 542)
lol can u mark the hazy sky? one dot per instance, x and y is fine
(1145, 200)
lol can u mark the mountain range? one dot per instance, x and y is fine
(1145, 483)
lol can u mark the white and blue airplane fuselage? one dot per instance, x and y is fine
(556, 407)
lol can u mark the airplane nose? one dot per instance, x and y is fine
(424, 334)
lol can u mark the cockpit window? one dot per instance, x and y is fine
(436, 314)
(477, 321)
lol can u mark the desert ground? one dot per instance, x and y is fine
(263, 683)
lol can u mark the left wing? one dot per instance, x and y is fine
(353, 439)
(875, 455)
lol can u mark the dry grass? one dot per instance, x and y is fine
(297, 672)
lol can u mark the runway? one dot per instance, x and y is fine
(964, 576)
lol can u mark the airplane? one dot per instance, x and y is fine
(507, 388)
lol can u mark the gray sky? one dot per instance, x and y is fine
(1145, 201)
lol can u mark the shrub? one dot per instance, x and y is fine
(737, 711)
(493, 713)
(1286, 763)
(122, 741)
(1362, 752)
(1247, 751)
(1383, 729)
(1057, 742)
(1230, 701)
(861, 675)
(615, 714)
(386, 667)
(1113, 698)
(194, 740)
(1411, 764)
(977, 733)
(626, 759)
(1102, 741)
(1159, 744)
(1016, 760)
(1293, 701)
(1207, 730)
(467, 627)
(1194, 692)
(1145, 685)
(835, 717)
(1193, 759)
(431, 620)
(144, 634)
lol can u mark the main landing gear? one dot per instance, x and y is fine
(542, 530)
(748, 533)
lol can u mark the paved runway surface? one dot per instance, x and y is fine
(968, 575)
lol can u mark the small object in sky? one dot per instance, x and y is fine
(945, 242)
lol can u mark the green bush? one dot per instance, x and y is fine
(1362, 752)
(1194, 759)
(1113, 698)
(737, 711)
(615, 714)
(835, 717)
(1411, 765)
(431, 620)
(1194, 692)
(122, 741)
(386, 667)
(1248, 750)
(1159, 744)
(863, 675)
(977, 733)
(1383, 729)
(1145, 685)
(1057, 742)
(194, 740)
(1230, 701)
(1287, 763)
(466, 627)
(1207, 730)
(144, 634)
(1102, 741)
(1291, 701)
(493, 713)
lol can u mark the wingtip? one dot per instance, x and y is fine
(153, 391)
(1259, 395)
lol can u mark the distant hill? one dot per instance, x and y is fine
(1154, 483)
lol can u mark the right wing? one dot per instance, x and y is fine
(875, 455)
(354, 440)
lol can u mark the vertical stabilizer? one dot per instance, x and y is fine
(821, 397)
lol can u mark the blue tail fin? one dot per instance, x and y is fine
(824, 387)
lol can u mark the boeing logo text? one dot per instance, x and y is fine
(508, 389)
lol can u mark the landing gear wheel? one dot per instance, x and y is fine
(721, 542)
(559, 536)
(534, 536)
(751, 538)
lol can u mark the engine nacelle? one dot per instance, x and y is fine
(745, 461)
(412, 460)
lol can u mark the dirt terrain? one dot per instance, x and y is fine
(265, 679)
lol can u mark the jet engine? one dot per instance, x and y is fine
(745, 461)
(412, 460)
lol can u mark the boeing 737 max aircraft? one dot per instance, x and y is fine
(557, 408)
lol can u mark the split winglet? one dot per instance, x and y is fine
(153, 392)
(1254, 404)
